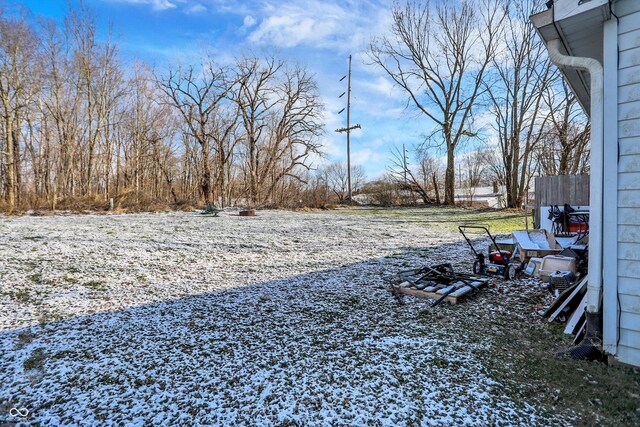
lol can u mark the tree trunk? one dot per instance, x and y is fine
(220, 185)
(17, 160)
(11, 191)
(435, 187)
(450, 178)
(205, 184)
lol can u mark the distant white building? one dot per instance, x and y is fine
(482, 195)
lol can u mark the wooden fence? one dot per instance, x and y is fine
(558, 190)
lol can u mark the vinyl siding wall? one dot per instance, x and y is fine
(628, 11)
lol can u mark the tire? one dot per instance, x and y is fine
(476, 267)
(510, 272)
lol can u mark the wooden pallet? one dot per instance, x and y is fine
(404, 285)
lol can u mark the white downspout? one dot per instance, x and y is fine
(596, 72)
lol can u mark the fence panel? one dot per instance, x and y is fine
(558, 190)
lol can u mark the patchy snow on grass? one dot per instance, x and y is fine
(279, 319)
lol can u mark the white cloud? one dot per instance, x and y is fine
(344, 26)
(290, 31)
(195, 9)
(333, 142)
(158, 5)
(249, 21)
(366, 156)
(379, 85)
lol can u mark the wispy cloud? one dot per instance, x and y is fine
(366, 155)
(341, 25)
(380, 86)
(158, 5)
(195, 8)
(248, 23)
(290, 31)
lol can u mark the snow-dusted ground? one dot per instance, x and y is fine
(280, 319)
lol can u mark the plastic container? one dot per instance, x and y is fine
(533, 267)
(561, 280)
(552, 263)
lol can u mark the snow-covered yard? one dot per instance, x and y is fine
(280, 319)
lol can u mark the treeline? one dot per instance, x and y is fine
(80, 127)
(479, 72)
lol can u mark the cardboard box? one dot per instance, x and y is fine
(535, 244)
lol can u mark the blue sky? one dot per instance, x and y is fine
(317, 33)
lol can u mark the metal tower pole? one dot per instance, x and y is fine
(348, 129)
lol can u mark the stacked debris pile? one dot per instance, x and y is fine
(439, 283)
(569, 308)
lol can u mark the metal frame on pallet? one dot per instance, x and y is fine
(439, 283)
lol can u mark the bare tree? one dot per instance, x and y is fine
(257, 99)
(418, 179)
(523, 73)
(337, 179)
(19, 48)
(281, 111)
(473, 171)
(198, 94)
(564, 149)
(439, 56)
(296, 128)
(99, 81)
(79, 126)
(61, 103)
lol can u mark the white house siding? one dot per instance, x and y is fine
(628, 11)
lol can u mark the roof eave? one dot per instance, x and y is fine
(575, 24)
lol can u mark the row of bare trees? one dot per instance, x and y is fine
(476, 69)
(80, 124)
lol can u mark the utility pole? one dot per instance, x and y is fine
(349, 128)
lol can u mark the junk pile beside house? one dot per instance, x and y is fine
(556, 255)
(595, 44)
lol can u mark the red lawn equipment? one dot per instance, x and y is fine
(499, 261)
